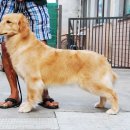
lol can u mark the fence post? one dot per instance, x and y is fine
(59, 26)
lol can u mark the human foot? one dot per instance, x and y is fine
(9, 103)
(49, 103)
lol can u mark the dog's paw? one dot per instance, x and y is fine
(99, 105)
(111, 112)
(25, 107)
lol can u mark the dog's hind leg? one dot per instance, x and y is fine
(34, 95)
(102, 90)
(101, 103)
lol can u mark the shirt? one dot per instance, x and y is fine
(38, 2)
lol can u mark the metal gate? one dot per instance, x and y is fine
(109, 36)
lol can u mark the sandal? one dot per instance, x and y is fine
(14, 102)
(45, 103)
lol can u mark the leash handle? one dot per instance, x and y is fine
(19, 6)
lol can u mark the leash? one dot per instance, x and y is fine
(19, 7)
(20, 91)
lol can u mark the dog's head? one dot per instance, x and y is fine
(13, 24)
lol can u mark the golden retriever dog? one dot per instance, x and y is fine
(41, 66)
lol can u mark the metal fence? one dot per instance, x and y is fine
(109, 36)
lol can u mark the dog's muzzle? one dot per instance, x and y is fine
(3, 33)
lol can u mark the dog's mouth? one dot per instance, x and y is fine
(7, 34)
(3, 33)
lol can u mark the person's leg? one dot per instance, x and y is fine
(48, 102)
(5, 8)
(11, 76)
(40, 25)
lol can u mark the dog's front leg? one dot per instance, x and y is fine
(34, 95)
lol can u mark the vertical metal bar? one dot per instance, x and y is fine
(89, 34)
(105, 51)
(86, 34)
(129, 48)
(112, 57)
(73, 34)
(83, 36)
(119, 45)
(97, 8)
(95, 37)
(126, 44)
(115, 43)
(68, 38)
(92, 36)
(99, 37)
(103, 8)
(124, 7)
(76, 33)
(79, 37)
(102, 36)
(109, 40)
(59, 27)
(122, 46)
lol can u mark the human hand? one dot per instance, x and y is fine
(20, 0)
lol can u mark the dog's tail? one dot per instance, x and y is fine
(114, 77)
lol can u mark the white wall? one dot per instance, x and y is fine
(70, 9)
(116, 8)
(93, 8)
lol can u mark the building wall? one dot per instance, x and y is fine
(114, 5)
(112, 8)
(74, 9)
(70, 9)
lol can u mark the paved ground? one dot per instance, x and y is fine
(76, 110)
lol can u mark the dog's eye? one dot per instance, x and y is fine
(8, 21)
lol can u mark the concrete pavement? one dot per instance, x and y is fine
(76, 110)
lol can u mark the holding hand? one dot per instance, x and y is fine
(20, 0)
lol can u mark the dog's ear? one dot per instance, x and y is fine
(23, 25)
